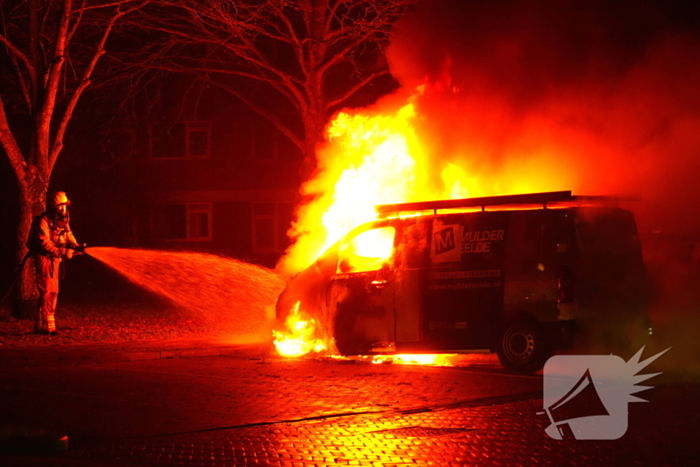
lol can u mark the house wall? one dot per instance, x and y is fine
(134, 178)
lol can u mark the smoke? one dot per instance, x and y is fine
(588, 96)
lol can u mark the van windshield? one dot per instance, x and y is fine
(366, 251)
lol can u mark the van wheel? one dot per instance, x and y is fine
(522, 347)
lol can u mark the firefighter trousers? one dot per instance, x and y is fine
(47, 272)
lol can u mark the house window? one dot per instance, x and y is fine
(271, 221)
(198, 140)
(199, 221)
(180, 140)
(189, 222)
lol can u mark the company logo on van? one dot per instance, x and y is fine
(444, 240)
(480, 241)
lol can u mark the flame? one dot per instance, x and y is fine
(368, 251)
(417, 359)
(299, 337)
(384, 157)
(377, 157)
(369, 160)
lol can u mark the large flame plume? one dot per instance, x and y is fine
(504, 98)
(369, 159)
(390, 154)
(509, 97)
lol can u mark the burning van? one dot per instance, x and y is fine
(511, 274)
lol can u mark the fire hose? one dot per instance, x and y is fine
(79, 249)
(15, 277)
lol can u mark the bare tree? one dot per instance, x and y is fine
(49, 50)
(303, 58)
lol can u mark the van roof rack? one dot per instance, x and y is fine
(542, 199)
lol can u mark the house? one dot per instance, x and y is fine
(196, 171)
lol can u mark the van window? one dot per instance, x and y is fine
(366, 251)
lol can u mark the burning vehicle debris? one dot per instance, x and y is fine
(518, 275)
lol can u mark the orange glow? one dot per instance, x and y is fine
(369, 160)
(417, 359)
(383, 157)
(299, 338)
(375, 243)
(367, 251)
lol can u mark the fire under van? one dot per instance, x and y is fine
(516, 275)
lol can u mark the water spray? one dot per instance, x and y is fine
(216, 289)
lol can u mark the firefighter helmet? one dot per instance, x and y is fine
(59, 198)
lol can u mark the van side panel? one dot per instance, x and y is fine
(463, 298)
(409, 312)
(611, 282)
(531, 265)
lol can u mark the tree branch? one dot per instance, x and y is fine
(76, 22)
(17, 53)
(284, 128)
(288, 45)
(117, 4)
(85, 82)
(353, 89)
(43, 129)
(24, 87)
(289, 90)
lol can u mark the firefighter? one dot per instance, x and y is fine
(51, 240)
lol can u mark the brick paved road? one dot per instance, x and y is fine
(166, 396)
(236, 412)
(663, 432)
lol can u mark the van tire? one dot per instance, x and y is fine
(522, 346)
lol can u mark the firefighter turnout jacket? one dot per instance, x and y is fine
(51, 242)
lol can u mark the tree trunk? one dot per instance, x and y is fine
(314, 125)
(32, 202)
